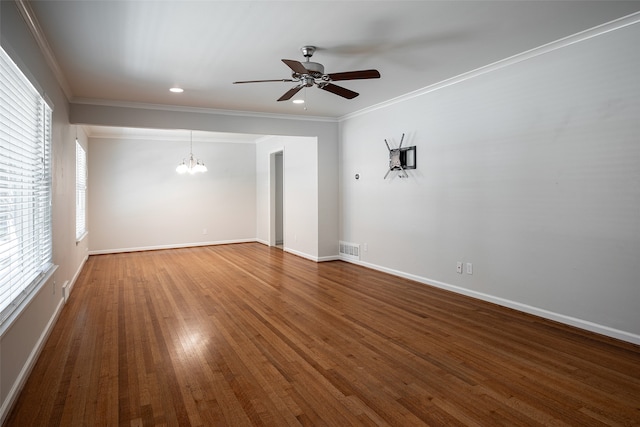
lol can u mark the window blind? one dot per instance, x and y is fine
(25, 187)
(81, 191)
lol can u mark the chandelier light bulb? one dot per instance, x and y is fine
(182, 167)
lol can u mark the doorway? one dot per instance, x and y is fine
(276, 191)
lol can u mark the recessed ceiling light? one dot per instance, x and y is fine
(298, 101)
(176, 90)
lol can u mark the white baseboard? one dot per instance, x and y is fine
(300, 254)
(310, 257)
(303, 254)
(170, 246)
(536, 311)
(68, 287)
(14, 392)
(218, 242)
(329, 258)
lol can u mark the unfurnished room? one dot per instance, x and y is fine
(308, 213)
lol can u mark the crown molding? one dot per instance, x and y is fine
(36, 30)
(599, 30)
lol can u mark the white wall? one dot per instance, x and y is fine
(300, 161)
(530, 171)
(21, 339)
(138, 200)
(328, 192)
(324, 131)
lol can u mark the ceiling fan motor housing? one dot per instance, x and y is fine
(315, 70)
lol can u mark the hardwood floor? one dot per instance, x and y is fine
(249, 335)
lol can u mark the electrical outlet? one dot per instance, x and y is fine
(204, 231)
(469, 268)
(365, 247)
(459, 267)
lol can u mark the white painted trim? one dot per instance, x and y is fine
(200, 110)
(75, 277)
(82, 236)
(536, 311)
(17, 386)
(172, 246)
(625, 21)
(304, 255)
(301, 254)
(42, 282)
(328, 258)
(36, 30)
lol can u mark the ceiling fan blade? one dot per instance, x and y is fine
(355, 75)
(296, 66)
(340, 91)
(289, 94)
(264, 81)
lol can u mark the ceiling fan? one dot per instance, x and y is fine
(307, 74)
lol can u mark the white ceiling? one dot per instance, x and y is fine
(134, 51)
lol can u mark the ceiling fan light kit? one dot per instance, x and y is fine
(308, 74)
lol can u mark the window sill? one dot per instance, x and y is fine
(23, 303)
(81, 237)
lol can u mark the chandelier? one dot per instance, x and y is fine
(192, 165)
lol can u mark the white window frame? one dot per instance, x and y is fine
(26, 245)
(81, 192)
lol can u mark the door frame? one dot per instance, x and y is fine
(274, 206)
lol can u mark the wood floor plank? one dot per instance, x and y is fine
(247, 335)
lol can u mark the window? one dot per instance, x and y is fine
(25, 187)
(81, 191)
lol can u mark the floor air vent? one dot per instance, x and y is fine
(350, 250)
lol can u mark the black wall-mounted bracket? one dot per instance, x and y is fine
(401, 159)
